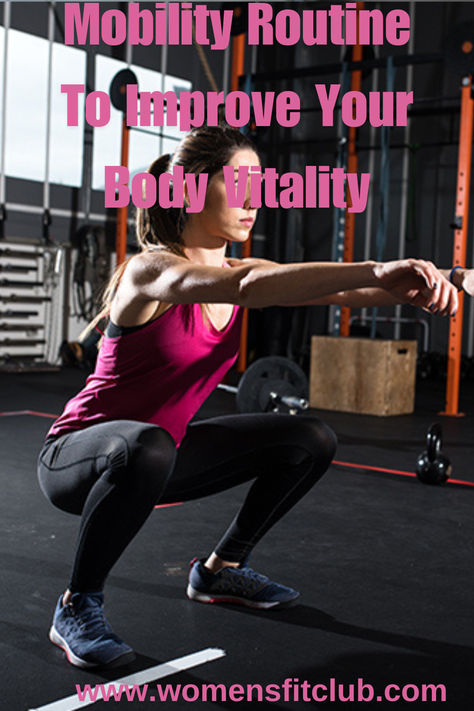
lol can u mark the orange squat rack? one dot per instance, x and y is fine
(238, 54)
(122, 212)
(460, 244)
(349, 229)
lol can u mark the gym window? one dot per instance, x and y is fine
(26, 115)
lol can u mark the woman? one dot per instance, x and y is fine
(123, 444)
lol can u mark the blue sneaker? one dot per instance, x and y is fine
(240, 585)
(81, 629)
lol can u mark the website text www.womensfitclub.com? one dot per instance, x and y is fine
(292, 689)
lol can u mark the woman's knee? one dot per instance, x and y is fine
(317, 438)
(139, 458)
(151, 457)
(63, 492)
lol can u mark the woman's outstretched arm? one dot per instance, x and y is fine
(405, 290)
(162, 276)
(463, 279)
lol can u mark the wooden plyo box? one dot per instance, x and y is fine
(370, 377)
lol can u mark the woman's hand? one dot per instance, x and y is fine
(420, 283)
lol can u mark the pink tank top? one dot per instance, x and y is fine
(161, 373)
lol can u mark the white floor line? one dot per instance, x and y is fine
(139, 678)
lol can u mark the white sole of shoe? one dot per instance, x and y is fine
(59, 641)
(197, 596)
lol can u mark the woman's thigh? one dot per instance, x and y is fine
(69, 466)
(219, 453)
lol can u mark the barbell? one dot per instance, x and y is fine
(271, 384)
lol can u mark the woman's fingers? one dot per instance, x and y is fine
(425, 301)
(428, 272)
(443, 300)
(444, 296)
(420, 300)
(435, 294)
(441, 296)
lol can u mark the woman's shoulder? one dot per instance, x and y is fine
(158, 253)
(152, 262)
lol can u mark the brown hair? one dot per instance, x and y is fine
(203, 150)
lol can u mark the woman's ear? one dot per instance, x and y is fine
(186, 200)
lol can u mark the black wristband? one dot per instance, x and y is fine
(451, 274)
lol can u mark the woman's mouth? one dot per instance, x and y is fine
(247, 222)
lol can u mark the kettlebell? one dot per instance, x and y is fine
(431, 466)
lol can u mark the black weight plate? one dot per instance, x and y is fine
(267, 374)
(118, 88)
(459, 49)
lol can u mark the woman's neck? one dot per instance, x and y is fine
(210, 255)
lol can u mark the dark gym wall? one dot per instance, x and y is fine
(433, 172)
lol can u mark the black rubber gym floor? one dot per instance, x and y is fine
(384, 565)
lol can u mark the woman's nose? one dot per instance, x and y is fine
(248, 196)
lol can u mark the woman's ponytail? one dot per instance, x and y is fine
(159, 226)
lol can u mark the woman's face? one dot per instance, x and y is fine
(217, 218)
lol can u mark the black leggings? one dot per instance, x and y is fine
(114, 473)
